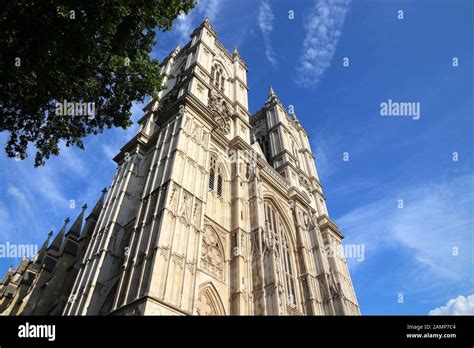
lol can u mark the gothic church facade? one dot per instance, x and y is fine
(212, 210)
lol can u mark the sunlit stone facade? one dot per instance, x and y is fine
(213, 211)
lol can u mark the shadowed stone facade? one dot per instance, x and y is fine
(41, 286)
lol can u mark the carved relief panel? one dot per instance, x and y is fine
(212, 255)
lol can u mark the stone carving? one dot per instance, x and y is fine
(178, 260)
(212, 257)
(195, 130)
(184, 206)
(305, 183)
(187, 124)
(220, 111)
(164, 252)
(306, 220)
(196, 213)
(196, 133)
(204, 305)
(190, 265)
(174, 198)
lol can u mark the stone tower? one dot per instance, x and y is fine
(213, 211)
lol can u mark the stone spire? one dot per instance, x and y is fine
(236, 53)
(56, 244)
(272, 92)
(98, 206)
(76, 227)
(92, 218)
(42, 252)
(7, 276)
(207, 23)
(271, 96)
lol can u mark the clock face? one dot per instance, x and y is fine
(224, 124)
(220, 111)
(223, 121)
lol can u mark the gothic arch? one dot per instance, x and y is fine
(208, 301)
(212, 258)
(280, 239)
(221, 158)
(218, 175)
(220, 63)
(284, 215)
(219, 77)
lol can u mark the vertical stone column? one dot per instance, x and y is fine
(308, 296)
(257, 219)
(240, 281)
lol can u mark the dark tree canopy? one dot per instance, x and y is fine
(76, 51)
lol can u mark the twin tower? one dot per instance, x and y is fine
(213, 211)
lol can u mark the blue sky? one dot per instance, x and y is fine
(408, 250)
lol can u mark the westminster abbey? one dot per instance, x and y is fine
(212, 211)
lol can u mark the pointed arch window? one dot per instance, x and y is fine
(212, 173)
(216, 178)
(219, 182)
(279, 234)
(213, 73)
(289, 275)
(217, 77)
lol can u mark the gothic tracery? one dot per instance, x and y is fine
(212, 256)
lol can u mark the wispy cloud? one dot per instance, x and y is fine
(323, 29)
(323, 146)
(72, 160)
(210, 8)
(456, 306)
(5, 223)
(433, 227)
(184, 27)
(265, 22)
(19, 197)
(185, 24)
(47, 184)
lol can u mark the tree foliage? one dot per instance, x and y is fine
(76, 51)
